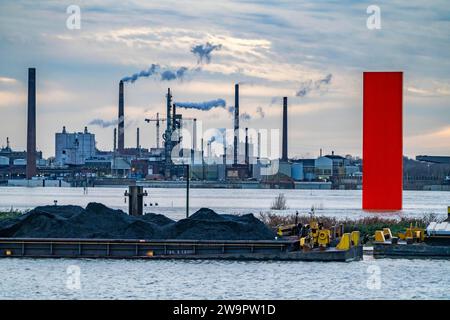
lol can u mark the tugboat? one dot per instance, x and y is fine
(432, 242)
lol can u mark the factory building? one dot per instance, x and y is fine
(74, 148)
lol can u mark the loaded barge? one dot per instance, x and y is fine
(173, 249)
(432, 242)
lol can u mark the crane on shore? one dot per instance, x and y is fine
(157, 120)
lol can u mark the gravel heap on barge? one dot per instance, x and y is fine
(97, 221)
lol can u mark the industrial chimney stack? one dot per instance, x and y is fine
(284, 156)
(115, 140)
(138, 146)
(236, 123)
(121, 120)
(194, 141)
(31, 125)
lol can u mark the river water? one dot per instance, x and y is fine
(171, 202)
(126, 279)
(166, 279)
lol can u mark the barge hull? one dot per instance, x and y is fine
(169, 249)
(417, 250)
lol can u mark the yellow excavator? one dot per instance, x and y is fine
(411, 235)
(315, 235)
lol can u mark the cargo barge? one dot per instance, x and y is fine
(410, 251)
(432, 242)
(172, 249)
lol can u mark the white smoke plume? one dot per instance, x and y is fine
(204, 106)
(307, 87)
(203, 52)
(165, 74)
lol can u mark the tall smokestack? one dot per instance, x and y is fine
(246, 147)
(194, 140)
(138, 146)
(259, 145)
(121, 131)
(115, 140)
(225, 149)
(236, 123)
(31, 125)
(284, 156)
(168, 136)
(174, 113)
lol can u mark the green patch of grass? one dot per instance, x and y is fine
(11, 214)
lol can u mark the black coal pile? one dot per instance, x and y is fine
(99, 221)
(206, 224)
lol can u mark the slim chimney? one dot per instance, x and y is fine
(259, 145)
(194, 140)
(138, 146)
(168, 107)
(115, 140)
(246, 147)
(31, 125)
(174, 113)
(320, 152)
(121, 131)
(168, 136)
(236, 123)
(284, 156)
(203, 161)
(225, 148)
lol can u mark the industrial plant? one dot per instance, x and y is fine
(232, 157)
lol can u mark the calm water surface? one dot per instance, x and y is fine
(126, 279)
(131, 279)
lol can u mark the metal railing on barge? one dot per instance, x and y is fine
(124, 248)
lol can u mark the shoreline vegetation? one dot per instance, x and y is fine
(366, 225)
(11, 214)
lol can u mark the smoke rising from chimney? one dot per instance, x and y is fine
(307, 87)
(204, 106)
(165, 74)
(203, 52)
(154, 68)
(244, 116)
(110, 123)
(260, 112)
(169, 75)
(103, 123)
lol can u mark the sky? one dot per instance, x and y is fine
(313, 52)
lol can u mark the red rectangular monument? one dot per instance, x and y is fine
(382, 140)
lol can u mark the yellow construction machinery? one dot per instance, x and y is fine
(411, 235)
(315, 235)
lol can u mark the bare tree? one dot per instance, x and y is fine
(279, 203)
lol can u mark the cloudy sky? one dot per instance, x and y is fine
(314, 52)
